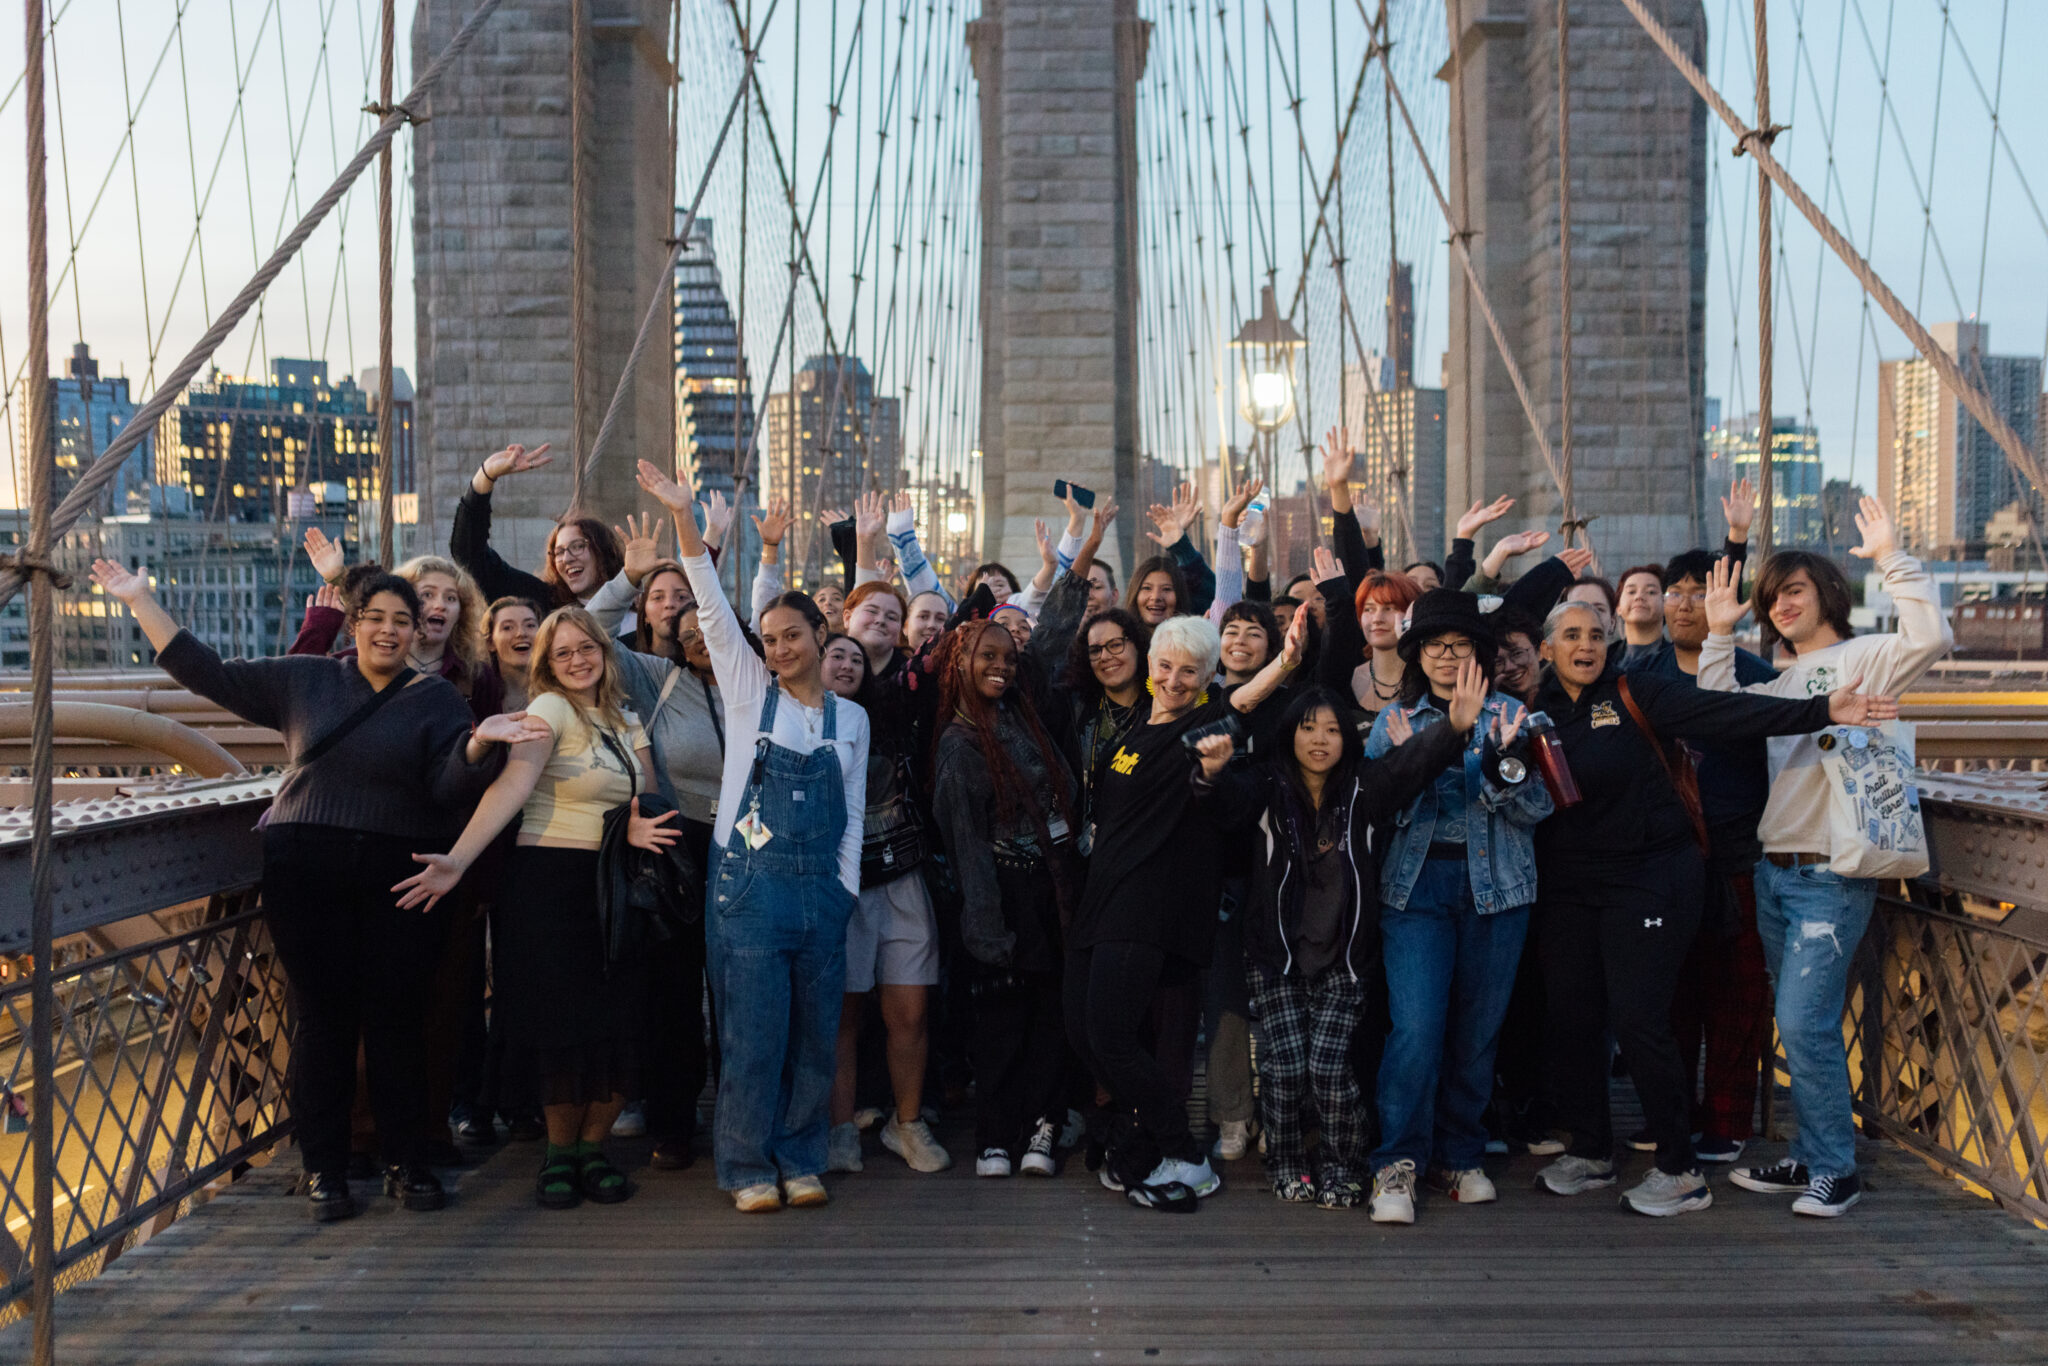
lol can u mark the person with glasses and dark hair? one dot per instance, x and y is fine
(581, 552)
(1456, 883)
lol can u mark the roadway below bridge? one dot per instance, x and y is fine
(911, 1269)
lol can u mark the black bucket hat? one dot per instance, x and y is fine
(1441, 611)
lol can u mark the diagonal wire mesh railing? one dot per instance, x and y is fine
(170, 1075)
(1948, 1043)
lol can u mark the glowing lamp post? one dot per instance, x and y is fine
(1268, 351)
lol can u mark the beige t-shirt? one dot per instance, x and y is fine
(583, 779)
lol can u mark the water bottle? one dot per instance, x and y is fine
(1550, 760)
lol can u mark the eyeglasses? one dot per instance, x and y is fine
(1113, 648)
(587, 650)
(1447, 649)
(1673, 595)
(568, 549)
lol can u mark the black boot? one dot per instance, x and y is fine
(672, 1153)
(414, 1185)
(328, 1198)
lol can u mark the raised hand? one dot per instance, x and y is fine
(773, 524)
(651, 833)
(1521, 543)
(829, 516)
(870, 515)
(1399, 728)
(1368, 514)
(1480, 513)
(901, 503)
(512, 728)
(1295, 642)
(1214, 752)
(430, 884)
(1338, 460)
(1323, 565)
(515, 459)
(1724, 612)
(1233, 511)
(1738, 509)
(1847, 707)
(118, 581)
(1880, 537)
(664, 490)
(643, 542)
(718, 517)
(1506, 728)
(1468, 696)
(327, 596)
(1105, 517)
(326, 556)
(1576, 558)
(1047, 551)
(1167, 530)
(1077, 516)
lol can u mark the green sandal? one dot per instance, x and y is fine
(558, 1186)
(603, 1183)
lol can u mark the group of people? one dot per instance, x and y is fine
(1433, 846)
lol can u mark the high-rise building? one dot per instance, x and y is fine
(241, 446)
(714, 398)
(86, 413)
(1937, 469)
(830, 439)
(1798, 515)
(1401, 323)
(1399, 436)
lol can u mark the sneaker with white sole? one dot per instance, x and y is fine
(758, 1199)
(867, 1117)
(1295, 1189)
(842, 1148)
(1108, 1179)
(1393, 1193)
(1468, 1186)
(1198, 1177)
(1038, 1152)
(1716, 1149)
(632, 1121)
(804, 1192)
(913, 1142)
(1662, 1194)
(1549, 1143)
(1233, 1139)
(992, 1162)
(1571, 1175)
(1784, 1178)
(1339, 1193)
(1829, 1197)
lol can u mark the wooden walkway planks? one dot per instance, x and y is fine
(908, 1269)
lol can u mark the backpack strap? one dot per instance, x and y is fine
(1685, 780)
(371, 705)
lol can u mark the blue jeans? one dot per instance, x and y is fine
(777, 945)
(1450, 971)
(1811, 922)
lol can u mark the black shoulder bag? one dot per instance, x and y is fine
(642, 896)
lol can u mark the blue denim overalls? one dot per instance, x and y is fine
(776, 933)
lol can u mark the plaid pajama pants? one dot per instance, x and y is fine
(1305, 1029)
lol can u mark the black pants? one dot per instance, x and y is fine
(1020, 1058)
(678, 1058)
(1109, 995)
(358, 967)
(1612, 951)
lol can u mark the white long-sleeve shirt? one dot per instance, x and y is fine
(743, 684)
(1796, 816)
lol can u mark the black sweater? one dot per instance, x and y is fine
(995, 932)
(402, 772)
(469, 545)
(1630, 811)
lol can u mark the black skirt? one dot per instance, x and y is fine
(572, 1033)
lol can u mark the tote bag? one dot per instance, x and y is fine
(1874, 824)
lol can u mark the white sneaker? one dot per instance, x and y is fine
(992, 1162)
(1393, 1193)
(913, 1142)
(867, 1118)
(1198, 1177)
(632, 1121)
(1468, 1187)
(1575, 1175)
(1662, 1194)
(757, 1199)
(842, 1149)
(1038, 1155)
(1233, 1139)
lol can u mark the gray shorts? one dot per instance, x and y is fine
(892, 938)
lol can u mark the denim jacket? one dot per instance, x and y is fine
(1500, 848)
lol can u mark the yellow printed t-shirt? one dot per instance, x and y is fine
(583, 779)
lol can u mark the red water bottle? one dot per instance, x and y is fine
(1550, 760)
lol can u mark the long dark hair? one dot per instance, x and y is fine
(1077, 675)
(1299, 808)
(643, 629)
(1415, 683)
(1157, 564)
(960, 700)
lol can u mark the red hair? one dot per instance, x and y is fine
(1388, 588)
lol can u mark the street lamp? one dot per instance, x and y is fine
(1268, 350)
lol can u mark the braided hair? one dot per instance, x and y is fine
(958, 697)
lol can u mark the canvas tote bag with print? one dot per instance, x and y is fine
(1874, 824)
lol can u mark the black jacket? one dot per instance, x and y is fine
(1258, 796)
(1630, 811)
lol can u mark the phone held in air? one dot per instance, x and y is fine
(1084, 496)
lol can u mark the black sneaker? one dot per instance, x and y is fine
(525, 1127)
(1829, 1197)
(1786, 1178)
(327, 1197)
(671, 1153)
(1714, 1148)
(414, 1186)
(476, 1128)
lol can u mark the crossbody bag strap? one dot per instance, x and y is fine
(1684, 782)
(618, 751)
(369, 708)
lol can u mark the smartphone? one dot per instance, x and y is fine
(1084, 496)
